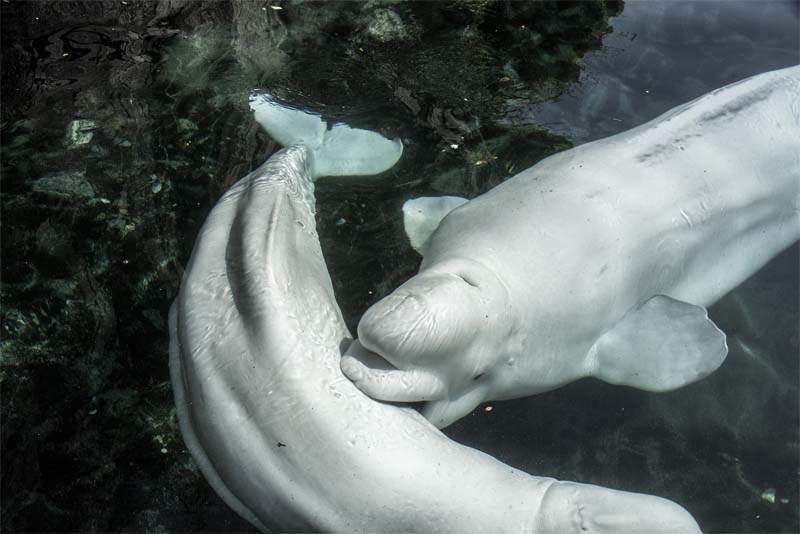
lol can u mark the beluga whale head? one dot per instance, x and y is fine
(447, 336)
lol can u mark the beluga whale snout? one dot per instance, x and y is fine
(435, 318)
(285, 439)
(598, 261)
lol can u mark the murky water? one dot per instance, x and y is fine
(123, 122)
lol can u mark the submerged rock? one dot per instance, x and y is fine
(71, 186)
(385, 25)
(80, 132)
(186, 127)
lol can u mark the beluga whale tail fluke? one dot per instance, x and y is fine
(287, 441)
(598, 261)
(336, 151)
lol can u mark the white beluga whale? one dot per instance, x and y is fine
(598, 261)
(285, 439)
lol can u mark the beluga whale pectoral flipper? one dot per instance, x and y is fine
(280, 433)
(597, 261)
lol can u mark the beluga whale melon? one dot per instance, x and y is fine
(597, 261)
(285, 439)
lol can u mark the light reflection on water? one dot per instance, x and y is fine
(662, 54)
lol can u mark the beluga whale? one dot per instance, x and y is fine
(598, 261)
(287, 441)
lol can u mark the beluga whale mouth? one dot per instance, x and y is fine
(276, 428)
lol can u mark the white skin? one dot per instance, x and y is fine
(525, 288)
(289, 443)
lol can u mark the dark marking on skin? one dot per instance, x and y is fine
(727, 112)
(661, 149)
(730, 110)
(693, 103)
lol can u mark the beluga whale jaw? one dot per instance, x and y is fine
(598, 261)
(280, 433)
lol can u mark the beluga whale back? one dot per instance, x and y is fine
(598, 261)
(286, 440)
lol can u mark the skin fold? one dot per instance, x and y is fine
(598, 261)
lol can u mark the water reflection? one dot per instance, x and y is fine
(664, 53)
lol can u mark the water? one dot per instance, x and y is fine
(661, 55)
(123, 122)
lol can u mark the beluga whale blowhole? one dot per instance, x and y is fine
(598, 261)
(286, 440)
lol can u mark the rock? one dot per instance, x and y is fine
(186, 127)
(80, 132)
(52, 242)
(71, 186)
(386, 25)
(155, 184)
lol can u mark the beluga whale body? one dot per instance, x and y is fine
(279, 432)
(597, 261)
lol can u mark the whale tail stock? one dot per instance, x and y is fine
(336, 150)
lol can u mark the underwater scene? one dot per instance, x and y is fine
(609, 295)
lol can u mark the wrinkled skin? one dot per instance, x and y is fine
(443, 328)
(522, 289)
